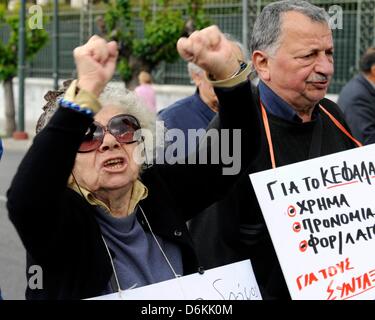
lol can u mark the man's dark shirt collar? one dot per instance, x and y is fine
(277, 106)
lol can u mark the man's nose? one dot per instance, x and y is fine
(324, 64)
(109, 142)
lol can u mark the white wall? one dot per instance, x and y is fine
(42, 2)
(35, 89)
(78, 3)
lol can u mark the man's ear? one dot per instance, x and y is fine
(197, 78)
(372, 71)
(261, 64)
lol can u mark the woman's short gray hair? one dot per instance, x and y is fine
(129, 103)
(267, 28)
(112, 96)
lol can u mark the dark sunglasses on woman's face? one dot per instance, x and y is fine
(123, 127)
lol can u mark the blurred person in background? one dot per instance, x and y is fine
(145, 90)
(357, 100)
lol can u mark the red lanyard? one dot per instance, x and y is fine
(269, 138)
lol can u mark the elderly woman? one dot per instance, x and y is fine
(83, 210)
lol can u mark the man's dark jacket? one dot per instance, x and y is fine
(357, 100)
(238, 231)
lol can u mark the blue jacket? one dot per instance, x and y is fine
(1, 148)
(188, 113)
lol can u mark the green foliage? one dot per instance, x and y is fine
(124, 69)
(196, 13)
(119, 13)
(157, 40)
(161, 35)
(35, 40)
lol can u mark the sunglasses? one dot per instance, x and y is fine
(124, 127)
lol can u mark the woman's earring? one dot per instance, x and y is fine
(145, 164)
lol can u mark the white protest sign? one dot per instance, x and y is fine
(321, 217)
(234, 281)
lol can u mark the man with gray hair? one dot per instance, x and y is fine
(196, 111)
(292, 53)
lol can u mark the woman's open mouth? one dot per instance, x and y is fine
(114, 164)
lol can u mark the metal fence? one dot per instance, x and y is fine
(235, 17)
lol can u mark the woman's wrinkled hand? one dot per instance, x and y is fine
(96, 63)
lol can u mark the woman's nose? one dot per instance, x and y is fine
(109, 142)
